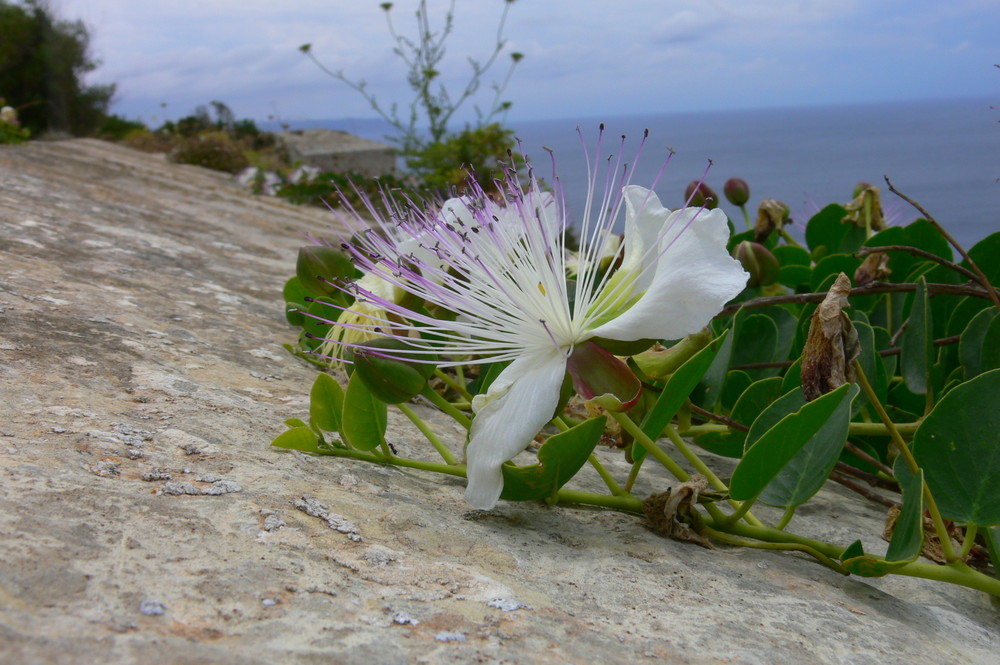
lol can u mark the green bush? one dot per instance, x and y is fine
(214, 151)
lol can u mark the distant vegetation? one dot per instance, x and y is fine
(43, 60)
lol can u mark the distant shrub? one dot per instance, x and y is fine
(149, 141)
(214, 151)
(330, 188)
(116, 128)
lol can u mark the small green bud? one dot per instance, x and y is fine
(737, 191)
(318, 264)
(383, 367)
(759, 262)
(699, 194)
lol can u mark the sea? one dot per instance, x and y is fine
(943, 154)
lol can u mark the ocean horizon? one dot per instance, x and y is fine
(945, 154)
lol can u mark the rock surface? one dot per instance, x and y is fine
(146, 519)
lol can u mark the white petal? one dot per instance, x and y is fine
(517, 405)
(645, 218)
(695, 277)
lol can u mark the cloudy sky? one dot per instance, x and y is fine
(583, 58)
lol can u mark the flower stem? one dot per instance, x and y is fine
(454, 385)
(658, 453)
(704, 470)
(442, 449)
(447, 407)
(911, 462)
(606, 476)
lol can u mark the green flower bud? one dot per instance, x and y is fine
(758, 261)
(387, 373)
(699, 194)
(318, 264)
(737, 191)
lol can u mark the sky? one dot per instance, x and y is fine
(582, 58)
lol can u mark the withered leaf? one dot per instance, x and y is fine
(874, 268)
(673, 513)
(832, 345)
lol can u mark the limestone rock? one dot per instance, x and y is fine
(140, 331)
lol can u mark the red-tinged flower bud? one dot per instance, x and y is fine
(597, 373)
(759, 262)
(737, 191)
(386, 371)
(318, 265)
(699, 194)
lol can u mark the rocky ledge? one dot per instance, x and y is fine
(145, 518)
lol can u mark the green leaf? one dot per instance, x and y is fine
(986, 254)
(795, 265)
(295, 301)
(754, 400)
(679, 386)
(709, 389)
(296, 422)
(298, 438)
(871, 363)
(908, 535)
(829, 267)
(921, 234)
(364, 418)
(798, 453)
(737, 381)
(916, 343)
(326, 403)
(790, 255)
(808, 469)
(826, 233)
(972, 342)
(958, 446)
(559, 459)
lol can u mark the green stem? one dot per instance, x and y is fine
(911, 462)
(447, 407)
(606, 476)
(704, 470)
(625, 503)
(785, 518)
(442, 449)
(658, 453)
(788, 238)
(746, 216)
(970, 540)
(955, 573)
(395, 460)
(633, 474)
(796, 547)
(772, 535)
(453, 384)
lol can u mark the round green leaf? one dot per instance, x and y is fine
(326, 403)
(958, 446)
(298, 438)
(364, 418)
(559, 459)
